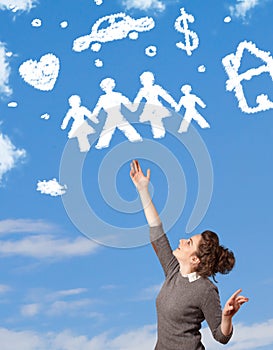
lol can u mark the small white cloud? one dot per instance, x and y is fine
(61, 307)
(227, 19)
(36, 22)
(151, 51)
(51, 187)
(144, 5)
(98, 63)
(17, 5)
(66, 293)
(201, 69)
(13, 104)
(64, 24)
(243, 7)
(5, 89)
(10, 156)
(4, 288)
(45, 116)
(30, 310)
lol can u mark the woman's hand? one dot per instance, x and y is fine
(139, 179)
(234, 303)
(232, 306)
(142, 182)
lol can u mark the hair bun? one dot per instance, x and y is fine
(226, 260)
(213, 256)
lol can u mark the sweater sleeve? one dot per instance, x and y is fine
(163, 249)
(213, 315)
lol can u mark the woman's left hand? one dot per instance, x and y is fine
(234, 303)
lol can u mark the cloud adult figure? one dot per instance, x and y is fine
(80, 129)
(153, 111)
(111, 103)
(189, 101)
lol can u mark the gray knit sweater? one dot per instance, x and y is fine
(183, 305)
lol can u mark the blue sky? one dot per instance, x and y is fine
(76, 270)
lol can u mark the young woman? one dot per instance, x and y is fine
(188, 297)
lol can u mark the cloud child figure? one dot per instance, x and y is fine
(80, 128)
(189, 101)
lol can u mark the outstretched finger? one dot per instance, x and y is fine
(234, 295)
(132, 171)
(134, 166)
(137, 164)
(148, 174)
(242, 300)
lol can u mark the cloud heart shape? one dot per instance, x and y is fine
(42, 75)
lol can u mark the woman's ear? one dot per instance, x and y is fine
(195, 260)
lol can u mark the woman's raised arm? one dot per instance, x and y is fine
(142, 182)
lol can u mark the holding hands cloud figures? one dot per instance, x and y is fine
(111, 102)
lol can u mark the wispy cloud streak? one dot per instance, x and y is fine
(243, 7)
(10, 156)
(5, 89)
(17, 5)
(144, 5)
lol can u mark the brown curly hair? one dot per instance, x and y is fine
(213, 257)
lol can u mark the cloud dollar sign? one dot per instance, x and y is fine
(191, 38)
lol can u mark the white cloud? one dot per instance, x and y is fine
(61, 307)
(68, 303)
(51, 187)
(246, 337)
(67, 293)
(144, 4)
(47, 247)
(4, 288)
(26, 225)
(17, 5)
(144, 338)
(30, 310)
(4, 72)
(242, 7)
(42, 246)
(25, 340)
(9, 155)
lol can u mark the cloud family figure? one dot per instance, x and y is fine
(80, 128)
(111, 102)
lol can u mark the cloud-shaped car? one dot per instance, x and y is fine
(113, 27)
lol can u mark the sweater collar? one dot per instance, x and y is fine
(193, 276)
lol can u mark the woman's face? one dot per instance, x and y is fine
(187, 248)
